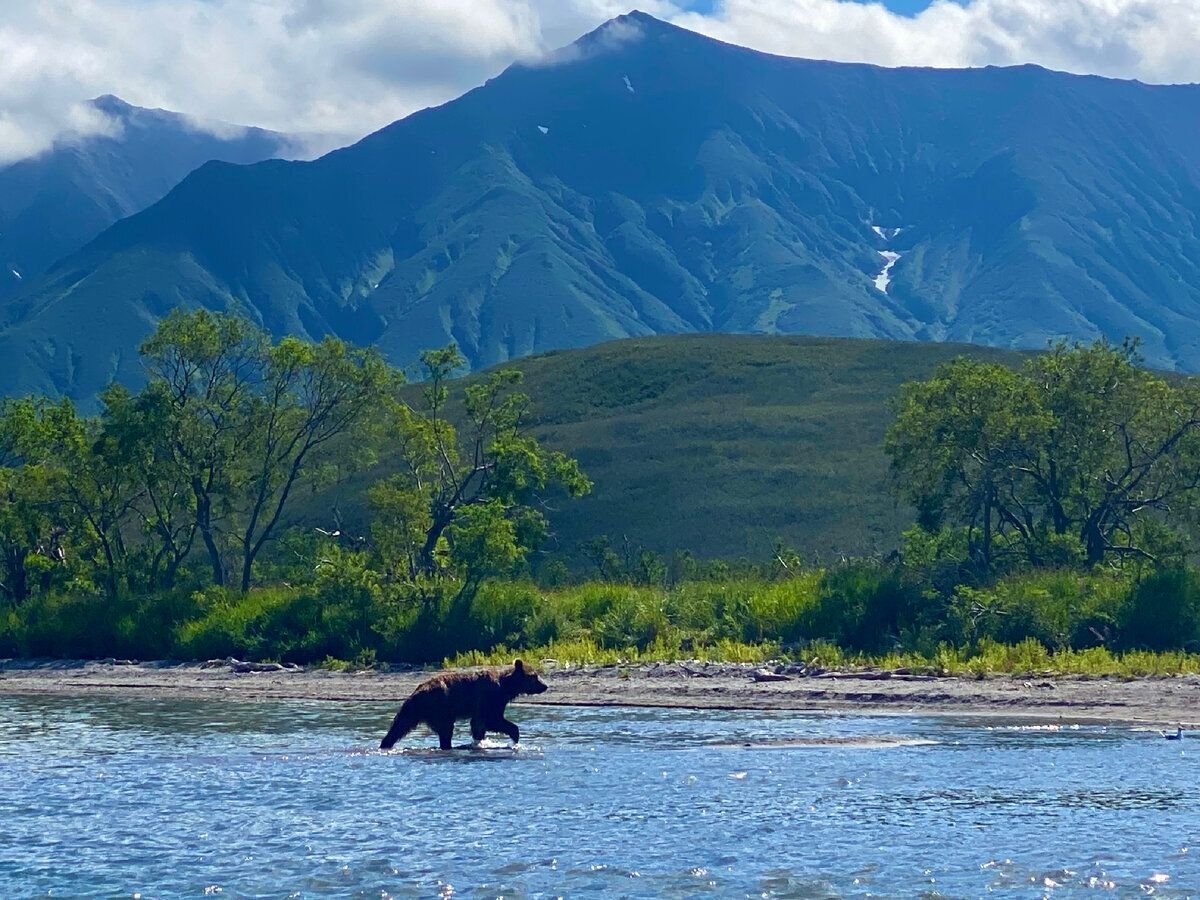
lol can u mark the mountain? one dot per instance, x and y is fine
(648, 180)
(54, 203)
(717, 444)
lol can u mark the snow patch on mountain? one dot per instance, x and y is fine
(884, 278)
(886, 233)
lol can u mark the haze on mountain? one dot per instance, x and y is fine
(54, 203)
(648, 180)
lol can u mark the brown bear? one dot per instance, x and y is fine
(454, 696)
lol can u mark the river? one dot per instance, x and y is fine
(114, 797)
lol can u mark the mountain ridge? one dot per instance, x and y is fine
(650, 180)
(54, 203)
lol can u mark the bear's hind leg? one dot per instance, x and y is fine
(404, 722)
(445, 732)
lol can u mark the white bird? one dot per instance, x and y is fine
(1177, 736)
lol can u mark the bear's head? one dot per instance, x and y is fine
(524, 680)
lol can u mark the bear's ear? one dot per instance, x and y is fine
(518, 666)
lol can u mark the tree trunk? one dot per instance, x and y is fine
(172, 573)
(440, 523)
(247, 568)
(17, 588)
(1093, 539)
(110, 565)
(204, 524)
(987, 532)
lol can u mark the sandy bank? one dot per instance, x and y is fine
(1157, 701)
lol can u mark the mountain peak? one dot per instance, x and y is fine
(648, 179)
(111, 104)
(625, 28)
(643, 18)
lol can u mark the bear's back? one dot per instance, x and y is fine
(461, 693)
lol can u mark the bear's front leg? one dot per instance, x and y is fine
(504, 726)
(478, 729)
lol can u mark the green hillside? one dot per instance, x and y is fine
(721, 444)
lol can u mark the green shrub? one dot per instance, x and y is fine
(1026, 657)
(634, 619)
(550, 622)
(82, 625)
(713, 610)
(1059, 609)
(500, 613)
(780, 611)
(591, 602)
(881, 613)
(338, 618)
(10, 633)
(864, 606)
(267, 623)
(1163, 612)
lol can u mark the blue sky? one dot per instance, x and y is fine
(904, 7)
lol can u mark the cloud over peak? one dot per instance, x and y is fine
(346, 67)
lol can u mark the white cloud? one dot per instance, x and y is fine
(350, 66)
(1152, 40)
(341, 66)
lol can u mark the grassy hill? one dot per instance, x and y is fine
(721, 444)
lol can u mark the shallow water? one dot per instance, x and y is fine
(103, 797)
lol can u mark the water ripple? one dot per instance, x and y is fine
(112, 797)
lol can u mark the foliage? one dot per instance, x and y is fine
(1162, 612)
(142, 530)
(150, 529)
(1058, 608)
(743, 441)
(240, 424)
(1082, 456)
(841, 616)
(208, 454)
(467, 501)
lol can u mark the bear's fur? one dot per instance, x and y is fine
(479, 696)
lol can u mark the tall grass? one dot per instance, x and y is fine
(1028, 658)
(586, 652)
(861, 614)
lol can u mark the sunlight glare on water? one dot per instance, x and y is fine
(106, 797)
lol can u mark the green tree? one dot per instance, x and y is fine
(1081, 451)
(956, 441)
(1123, 449)
(469, 500)
(203, 368)
(242, 423)
(28, 528)
(166, 507)
(88, 480)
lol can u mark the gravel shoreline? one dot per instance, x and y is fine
(686, 685)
